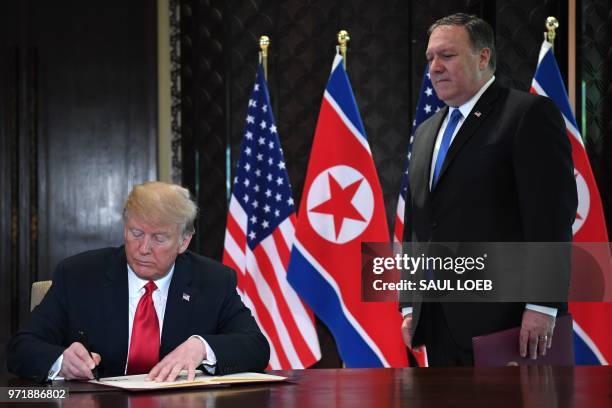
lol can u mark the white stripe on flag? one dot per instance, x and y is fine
(332, 283)
(240, 216)
(288, 230)
(234, 251)
(568, 125)
(299, 314)
(360, 138)
(267, 296)
(543, 50)
(401, 205)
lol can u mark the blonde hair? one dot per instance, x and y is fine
(157, 202)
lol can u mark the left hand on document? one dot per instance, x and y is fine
(188, 355)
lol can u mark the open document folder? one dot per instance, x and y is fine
(138, 383)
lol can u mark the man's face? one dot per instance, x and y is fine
(456, 70)
(152, 249)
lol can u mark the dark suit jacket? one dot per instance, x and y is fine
(90, 293)
(507, 177)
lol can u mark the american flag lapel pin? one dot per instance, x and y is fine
(186, 297)
(477, 114)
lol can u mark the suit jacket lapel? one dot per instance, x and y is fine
(181, 297)
(470, 125)
(116, 312)
(422, 152)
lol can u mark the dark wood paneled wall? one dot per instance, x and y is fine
(78, 127)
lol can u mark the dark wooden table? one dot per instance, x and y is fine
(430, 387)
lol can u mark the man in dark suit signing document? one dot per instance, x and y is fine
(150, 306)
(494, 166)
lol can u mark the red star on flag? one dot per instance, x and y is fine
(339, 204)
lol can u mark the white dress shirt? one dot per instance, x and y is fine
(465, 110)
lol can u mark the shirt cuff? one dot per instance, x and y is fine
(210, 362)
(551, 311)
(55, 369)
(406, 311)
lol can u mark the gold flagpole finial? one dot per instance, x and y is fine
(264, 43)
(551, 26)
(343, 39)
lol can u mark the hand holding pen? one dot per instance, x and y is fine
(77, 362)
(85, 343)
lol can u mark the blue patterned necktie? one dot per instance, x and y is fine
(446, 140)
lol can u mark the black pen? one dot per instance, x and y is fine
(85, 343)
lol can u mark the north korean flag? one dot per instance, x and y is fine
(342, 206)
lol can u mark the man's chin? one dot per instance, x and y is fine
(145, 271)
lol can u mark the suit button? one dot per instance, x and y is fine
(434, 224)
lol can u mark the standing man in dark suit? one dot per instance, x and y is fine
(495, 166)
(148, 307)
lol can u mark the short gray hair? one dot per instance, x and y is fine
(479, 31)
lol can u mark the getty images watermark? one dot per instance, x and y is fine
(491, 271)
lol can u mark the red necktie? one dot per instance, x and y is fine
(144, 345)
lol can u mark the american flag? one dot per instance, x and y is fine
(259, 236)
(427, 105)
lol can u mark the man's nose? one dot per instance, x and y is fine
(435, 65)
(145, 245)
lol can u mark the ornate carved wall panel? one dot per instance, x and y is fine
(595, 63)
(519, 32)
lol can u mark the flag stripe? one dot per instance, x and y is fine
(282, 249)
(571, 129)
(354, 131)
(274, 275)
(258, 290)
(274, 362)
(324, 282)
(550, 80)
(268, 328)
(590, 343)
(398, 230)
(339, 90)
(287, 229)
(240, 216)
(235, 253)
(234, 229)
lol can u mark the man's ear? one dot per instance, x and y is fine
(185, 243)
(485, 56)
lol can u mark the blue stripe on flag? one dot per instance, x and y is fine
(583, 355)
(322, 299)
(549, 78)
(339, 88)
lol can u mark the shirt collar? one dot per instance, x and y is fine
(467, 107)
(136, 284)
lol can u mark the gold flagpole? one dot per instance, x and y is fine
(264, 43)
(343, 39)
(551, 26)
